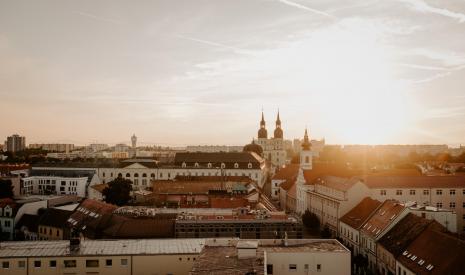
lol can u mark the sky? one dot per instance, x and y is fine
(200, 72)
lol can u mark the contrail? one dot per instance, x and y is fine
(302, 7)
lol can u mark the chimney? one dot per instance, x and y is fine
(74, 244)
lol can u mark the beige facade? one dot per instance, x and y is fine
(103, 257)
(444, 197)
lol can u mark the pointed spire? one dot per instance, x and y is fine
(278, 120)
(306, 145)
(262, 122)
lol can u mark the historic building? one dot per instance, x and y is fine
(273, 148)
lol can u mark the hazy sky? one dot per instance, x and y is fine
(200, 72)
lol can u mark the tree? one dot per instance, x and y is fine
(118, 191)
(6, 189)
(310, 221)
(325, 233)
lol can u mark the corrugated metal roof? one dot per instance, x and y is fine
(102, 247)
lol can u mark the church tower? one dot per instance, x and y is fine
(278, 132)
(262, 133)
(306, 153)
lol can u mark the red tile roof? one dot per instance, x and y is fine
(443, 253)
(319, 170)
(289, 172)
(342, 184)
(382, 218)
(358, 215)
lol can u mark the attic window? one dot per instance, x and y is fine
(183, 165)
(249, 165)
(196, 164)
(223, 165)
(209, 165)
(236, 165)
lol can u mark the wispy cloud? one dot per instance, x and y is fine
(98, 18)
(422, 6)
(303, 7)
(214, 44)
(423, 67)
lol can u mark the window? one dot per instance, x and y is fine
(108, 262)
(124, 262)
(21, 264)
(37, 264)
(52, 263)
(399, 192)
(152, 175)
(292, 267)
(249, 165)
(463, 216)
(269, 269)
(103, 174)
(452, 192)
(306, 266)
(223, 165)
(209, 165)
(452, 205)
(439, 192)
(412, 192)
(5, 264)
(136, 175)
(318, 267)
(236, 165)
(382, 192)
(196, 165)
(439, 204)
(128, 175)
(463, 204)
(92, 263)
(69, 263)
(426, 192)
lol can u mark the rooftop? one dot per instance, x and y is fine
(220, 256)
(360, 213)
(382, 218)
(434, 252)
(102, 247)
(337, 183)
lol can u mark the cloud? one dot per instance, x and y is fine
(214, 44)
(423, 67)
(302, 7)
(98, 18)
(422, 6)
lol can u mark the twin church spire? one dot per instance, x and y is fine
(263, 133)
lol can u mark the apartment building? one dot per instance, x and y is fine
(105, 257)
(58, 182)
(385, 217)
(351, 223)
(443, 192)
(432, 252)
(394, 242)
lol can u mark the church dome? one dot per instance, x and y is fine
(253, 147)
(262, 133)
(278, 133)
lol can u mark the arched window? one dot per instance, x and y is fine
(223, 165)
(144, 175)
(136, 175)
(152, 175)
(184, 165)
(209, 165)
(120, 175)
(196, 165)
(128, 175)
(249, 165)
(236, 165)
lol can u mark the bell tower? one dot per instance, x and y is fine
(306, 153)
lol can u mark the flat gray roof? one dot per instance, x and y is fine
(101, 247)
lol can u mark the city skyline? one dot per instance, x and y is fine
(184, 73)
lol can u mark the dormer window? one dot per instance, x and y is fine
(196, 165)
(223, 165)
(236, 165)
(209, 165)
(249, 165)
(183, 165)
